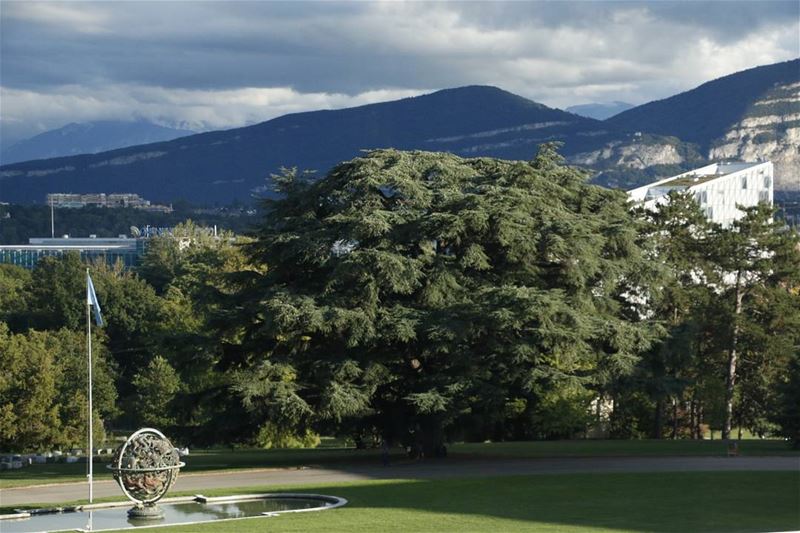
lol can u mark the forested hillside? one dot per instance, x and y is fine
(747, 115)
(222, 166)
(704, 114)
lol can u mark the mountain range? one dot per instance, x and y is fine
(88, 138)
(599, 111)
(751, 114)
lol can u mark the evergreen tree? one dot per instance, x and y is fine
(420, 287)
(156, 387)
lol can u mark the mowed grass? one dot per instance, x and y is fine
(662, 502)
(620, 448)
(197, 461)
(227, 459)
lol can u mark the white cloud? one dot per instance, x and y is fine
(710, 59)
(31, 112)
(82, 18)
(216, 65)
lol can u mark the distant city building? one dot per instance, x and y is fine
(718, 188)
(124, 249)
(69, 200)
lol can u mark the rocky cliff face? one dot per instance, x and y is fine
(629, 155)
(638, 152)
(770, 130)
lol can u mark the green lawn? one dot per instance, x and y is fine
(663, 502)
(227, 459)
(197, 461)
(610, 448)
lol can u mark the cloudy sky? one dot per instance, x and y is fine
(209, 65)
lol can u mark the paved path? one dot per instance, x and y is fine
(434, 469)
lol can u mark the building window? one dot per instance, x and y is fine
(767, 181)
(709, 213)
(763, 196)
(744, 182)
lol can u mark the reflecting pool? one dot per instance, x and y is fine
(102, 517)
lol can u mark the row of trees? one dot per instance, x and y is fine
(421, 298)
(151, 356)
(728, 298)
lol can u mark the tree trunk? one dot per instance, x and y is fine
(431, 438)
(599, 410)
(732, 360)
(700, 412)
(659, 420)
(674, 418)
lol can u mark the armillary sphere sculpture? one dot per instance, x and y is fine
(145, 467)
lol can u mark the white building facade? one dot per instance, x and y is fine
(718, 188)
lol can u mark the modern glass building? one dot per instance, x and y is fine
(128, 251)
(719, 188)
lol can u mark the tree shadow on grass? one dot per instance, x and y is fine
(658, 502)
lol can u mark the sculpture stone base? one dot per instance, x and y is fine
(146, 512)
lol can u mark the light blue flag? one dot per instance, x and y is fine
(91, 299)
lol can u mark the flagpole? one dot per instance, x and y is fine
(89, 350)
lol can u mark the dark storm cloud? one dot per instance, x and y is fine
(232, 45)
(145, 54)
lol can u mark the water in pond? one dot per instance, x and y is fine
(174, 513)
